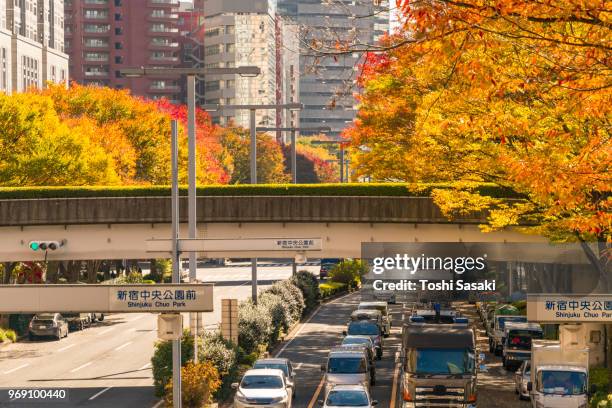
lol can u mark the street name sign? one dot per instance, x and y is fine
(236, 245)
(569, 308)
(135, 298)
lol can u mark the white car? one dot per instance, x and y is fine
(264, 387)
(347, 396)
(521, 378)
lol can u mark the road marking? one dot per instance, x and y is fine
(99, 393)
(123, 345)
(395, 377)
(313, 400)
(145, 366)
(81, 366)
(66, 348)
(105, 331)
(158, 404)
(137, 318)
(306, 322)
(16, 368)
(297, 367)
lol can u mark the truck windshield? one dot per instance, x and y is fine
(521, 339)
(346, 365)
(503, 320)
(363, 328)
(444, 361)
(562, 382)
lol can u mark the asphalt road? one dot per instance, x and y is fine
(108, 365)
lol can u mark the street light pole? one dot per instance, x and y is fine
(176, 277)
(253, 131)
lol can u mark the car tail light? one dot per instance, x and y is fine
(471, 398)
(407, 396)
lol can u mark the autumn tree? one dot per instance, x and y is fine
(315, 164)
(514, 93)
(270, 167)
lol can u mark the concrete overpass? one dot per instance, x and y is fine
(117, 227)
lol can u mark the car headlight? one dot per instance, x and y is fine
(278, 399)
(240, 397)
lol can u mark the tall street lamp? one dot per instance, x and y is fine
(190, 73)
(253, 133)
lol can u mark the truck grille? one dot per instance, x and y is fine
(439, 396)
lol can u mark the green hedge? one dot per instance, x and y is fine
(328, 289)
(345, 189)
(602, 398)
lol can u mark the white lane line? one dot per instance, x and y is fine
(106, 331)
(137, 318)
(16, 368)
(66, 348)
(81, 366)
(158, 404)
(297, 367)
(306, 322)
(145, 366)
(123, 345)
(99, 393)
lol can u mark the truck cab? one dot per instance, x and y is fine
(517, 343)
(559, 375)
(438, 366)
(498, 325)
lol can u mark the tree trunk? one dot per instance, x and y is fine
(52, 271)
(92, 271)
(8, 272)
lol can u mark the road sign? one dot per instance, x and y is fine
(229, 319)
(236, 245)
(106, 298)
(569, 308)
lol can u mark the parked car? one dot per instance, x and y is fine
(348, 365)
(361, 341)
(326, 265)
(263, 387)
(78, 321)
(283, 364)
(48, 324)
(346, 396)
(521, 379)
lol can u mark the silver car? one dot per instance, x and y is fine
(48, 325)
(348, 365)
(348, 396)
(384, 310)
(283, 364)
(361, 341)
(264, 388)
(521, 378)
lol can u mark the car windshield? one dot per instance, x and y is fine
(330, 261)
(356, 340)
(363, 328)
(521, 339)
(346, 365)
(444, 361)
(45, 321)
(346, 398)
(517, 319)
(278, 366)
(261, 382)
(562, 382)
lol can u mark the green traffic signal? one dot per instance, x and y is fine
(34, 246)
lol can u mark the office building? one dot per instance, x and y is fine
(104, 36)
(327, 83)
(31, 44)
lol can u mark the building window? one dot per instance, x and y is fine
(118, 31)
(118, 46)
(118, 59)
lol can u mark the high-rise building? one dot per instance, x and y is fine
(31, 44)
(327, 83)
(241, 33)
(104, 36)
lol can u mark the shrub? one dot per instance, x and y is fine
(349, 272)
(149, 281)
(599, 377)
(328, 289)
(254, 326)
(161, 361)
(132, 277)
(198, 383)
(3, 337)
(279, 315)
(308, 284)
(224, 355)
(292, 298)
(10, 335)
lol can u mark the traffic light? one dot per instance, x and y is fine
(45, 245)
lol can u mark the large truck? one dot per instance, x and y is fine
(518, 338)
(498, 326)
(559, 376)
(438, 366)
